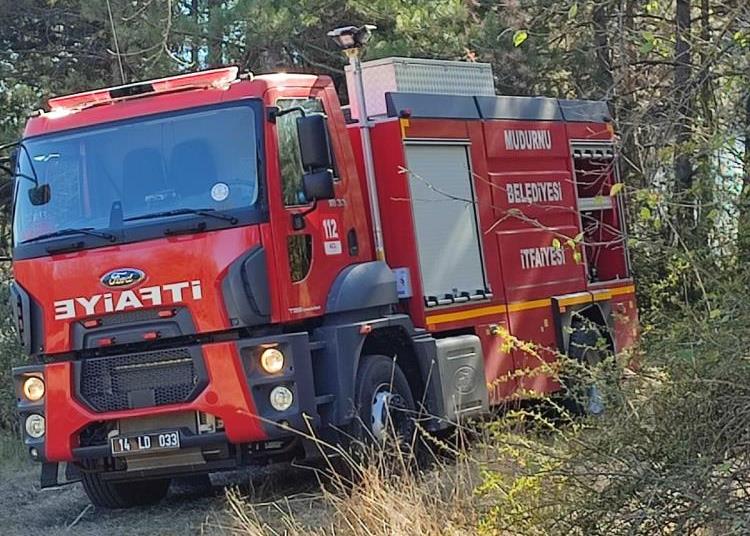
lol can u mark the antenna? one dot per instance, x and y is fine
(117, 45)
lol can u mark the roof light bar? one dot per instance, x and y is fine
(212, 78)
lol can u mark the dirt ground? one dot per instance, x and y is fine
(25, 509)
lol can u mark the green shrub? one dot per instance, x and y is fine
(11, 355)
(672, 459)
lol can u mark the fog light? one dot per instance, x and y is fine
(281, 398)
(33, 388)
(272, 360)
(35, 425)
(34, 453)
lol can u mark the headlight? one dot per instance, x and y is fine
(33, 388)
(272, 360)
(281, 398)
(35, 425)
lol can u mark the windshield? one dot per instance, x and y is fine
(204, 159)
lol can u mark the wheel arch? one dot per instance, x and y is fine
(362, 286)
(396, 342)
(347, 342)
(598, 313)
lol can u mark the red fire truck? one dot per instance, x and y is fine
(211, 268)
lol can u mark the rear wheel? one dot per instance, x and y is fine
(123, 494)
(586, 387)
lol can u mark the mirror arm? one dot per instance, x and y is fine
(275, 112)
(298, 218)
(18, 175)
(6, 161)
(19, 144)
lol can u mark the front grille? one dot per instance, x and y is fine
(138, 380)
(130, 317)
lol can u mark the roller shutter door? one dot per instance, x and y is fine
(445, 218)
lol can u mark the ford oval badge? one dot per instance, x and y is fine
(123, 278)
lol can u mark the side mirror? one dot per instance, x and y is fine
(313, 142)
(318, 185)
(40, 195)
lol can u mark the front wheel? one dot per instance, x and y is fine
(385, 405)
(123, 494)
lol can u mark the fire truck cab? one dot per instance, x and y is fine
(197, 284)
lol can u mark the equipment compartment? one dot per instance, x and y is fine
(601, 214)
(445, 221)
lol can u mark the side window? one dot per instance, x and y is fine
(289, 154)
(299, 249)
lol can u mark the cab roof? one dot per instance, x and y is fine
(172, 93)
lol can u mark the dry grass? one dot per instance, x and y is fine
(670, 456)
(439, 500)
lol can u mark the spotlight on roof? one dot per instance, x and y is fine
(351, 37)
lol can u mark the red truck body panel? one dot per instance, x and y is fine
(202, 257)
(521, 305)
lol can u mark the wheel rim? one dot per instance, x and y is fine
(385, 409)
(594, 395)
(594, 400)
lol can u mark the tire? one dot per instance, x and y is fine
(585, 396)
(384, 404)
(115, 495)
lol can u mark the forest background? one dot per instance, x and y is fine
(673, 455)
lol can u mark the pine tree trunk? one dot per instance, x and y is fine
(625, 101)
(215, 36)
(683, 106)
(705, 173)
(604, 80)
(743, 225)
(195, 39)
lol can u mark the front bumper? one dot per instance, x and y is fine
(187, 441)
(236, 390)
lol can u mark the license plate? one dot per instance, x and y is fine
(145, 443)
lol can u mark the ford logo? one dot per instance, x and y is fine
(123, 278)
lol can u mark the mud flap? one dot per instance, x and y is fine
(72, 473)
(49, 474)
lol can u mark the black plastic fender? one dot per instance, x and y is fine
(362, 286)
(335, 367)
(245, 290)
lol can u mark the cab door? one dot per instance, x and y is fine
(314, 241)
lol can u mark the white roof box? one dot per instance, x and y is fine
(414, 75)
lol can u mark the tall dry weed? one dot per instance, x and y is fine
(382, 499)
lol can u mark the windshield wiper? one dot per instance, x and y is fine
(66, 232)
(206, 212)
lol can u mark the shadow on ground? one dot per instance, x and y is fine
(188, 509)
